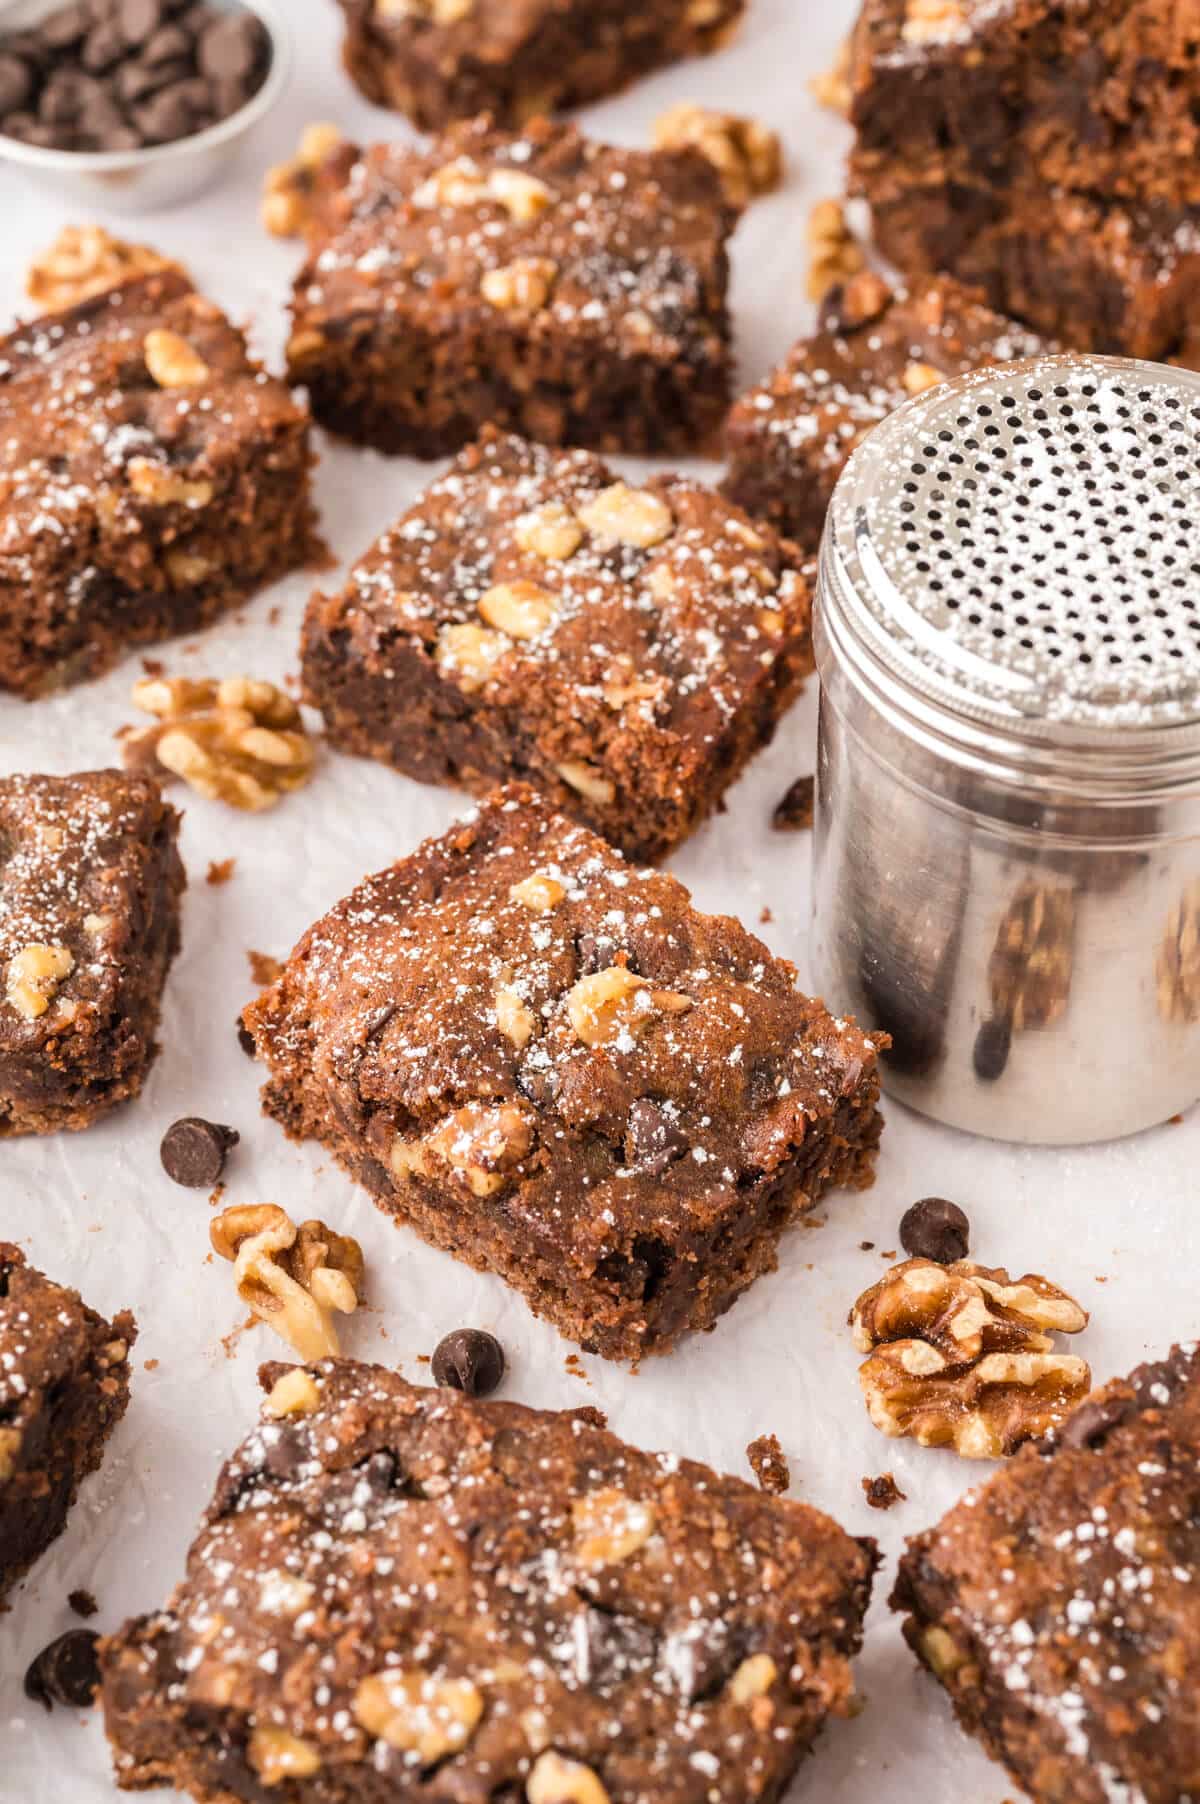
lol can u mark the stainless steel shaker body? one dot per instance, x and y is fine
(1007, 856)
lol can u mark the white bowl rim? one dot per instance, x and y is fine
(109, 162)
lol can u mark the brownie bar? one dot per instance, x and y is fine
(90, 881)
(1058, 1604)
(174, 471)
(626, 650)
(517, 58)
(1045, 153)
(789, 440)
(551, 1065)
(64, 1385)
(408, 1594)
(570, 291)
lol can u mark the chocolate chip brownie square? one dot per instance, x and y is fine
(535, 280)
(627, 650)
(64, 1385)
(90, 884)
(550, 1064)
(402, 1593)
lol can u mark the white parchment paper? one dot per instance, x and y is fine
(1115, 1225)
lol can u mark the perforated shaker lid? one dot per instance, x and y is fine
(1023, 544)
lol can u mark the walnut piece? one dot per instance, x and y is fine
(164, 487)
(520, 609)
(467, 653)
(587, 781)
(172, 361)
(753, 1678)
(417, 1713)
(605, 1005)
(747, 156)
(524, 286)
(1177, 967)
(934, 22)
(831, 89)
(293, 1278)
(86, 260)
(550, 531)
(463, 183)
(834, 253)
(919, 378)
(515, 1019)
(33, 976)
(10, 1447)
(538, 893)
(556, 1780)
(289, 188)
(609, 1527)
(239, 741)
(624, 516)
(296, 1393)
(277, 1756)
(482, 1143)
(963, 1356)
(438, 12)
(1030, 970)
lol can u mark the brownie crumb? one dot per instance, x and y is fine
(795, 812)
(882, 1493)
(263, 968)
(765, 916)
(65, 1672)
(220, 870)
(768, 1464)
(83, 1603)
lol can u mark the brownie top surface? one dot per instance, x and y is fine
(516, 1007)
(386, 1558)
(73, 882)
(476, 31)
(79, 407)
(833, 388)
(46, 1335)
(653, 610)
(1075, 1576)
(626, 246)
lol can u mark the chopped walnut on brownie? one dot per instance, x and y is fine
(439, 60)
(536, 280)
(90, 881)
(402, 1593)
(551, 1065)
(64, 1385)
(1057, 1604)
(789, 439)
(172, 470)
(627, 649)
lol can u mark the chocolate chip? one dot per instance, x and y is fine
(66, 1672)
(935, 1229)
(469, 1360)
(246, 1040)
(231, 47)
(1092, 1422)
(992, 1045)
(193, 1151)
(794, 812)
(139, 19)
(116, 137)
(652, 1140)
(167, 115)
(16, 84)
(105, 46)
(65, 28)
(168, 44)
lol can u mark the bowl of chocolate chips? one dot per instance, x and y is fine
(133, 105)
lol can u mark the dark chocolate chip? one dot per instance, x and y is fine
(795, 811)
(66, 1672)
(469, 1360)
(231, 96)
(169, 44)
(993, 1043)
(105, 46)
(935, 1229)
(653, 1141)
(246, 1040)
(65, 28)
(65, 95)
(167, 115)
(231, 48)
(1092, 1422)
(83, 1603)
(116, 137)
(16, 83)
(139, 19)
(193, 1151)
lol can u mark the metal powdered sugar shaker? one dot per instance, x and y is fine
(1007, 857)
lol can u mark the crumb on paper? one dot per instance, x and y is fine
(220, 870)
(263, 968)
(216, 1194)
(765, 916)
(149, 1365)
(83, 1603)
(866, 1246)
(153, 667)
(794, 811)
(813, 1221)
(883, 1493)
(768, 1464)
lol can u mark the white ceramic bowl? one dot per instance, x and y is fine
(145, 181)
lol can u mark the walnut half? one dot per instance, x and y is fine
(238, 741)
(87, 260)
(746, 155)
(293, 1278)
(963, 1356)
